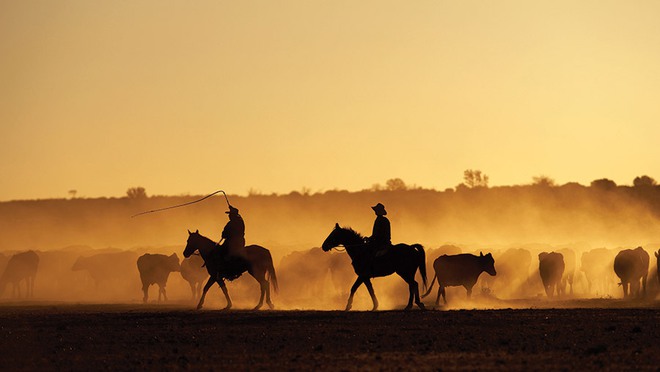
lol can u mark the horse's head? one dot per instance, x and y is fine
(341, 236)
(192, 244)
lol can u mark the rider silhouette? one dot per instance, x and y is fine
(380, 238)
(234, 233)
(232, 250)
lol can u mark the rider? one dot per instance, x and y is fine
(233, 247)
(380, 239)
(234, 233)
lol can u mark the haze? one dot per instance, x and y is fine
(182, 97)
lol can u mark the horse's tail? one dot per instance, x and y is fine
(435, 276)
(271, 273)
(421, 261)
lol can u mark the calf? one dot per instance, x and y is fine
(460, 270)
(155, 269)
(21, 266)
(551, 269)
(631, 266)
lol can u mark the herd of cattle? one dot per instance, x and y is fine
(314, 273)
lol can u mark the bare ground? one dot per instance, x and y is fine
(612, 336)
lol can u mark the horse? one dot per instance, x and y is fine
(259, 262)
(402, 259)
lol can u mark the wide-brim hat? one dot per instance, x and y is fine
(379, 209)
(232, 210)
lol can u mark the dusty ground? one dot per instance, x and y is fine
(615, 336)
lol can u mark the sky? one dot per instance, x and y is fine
(267, 96)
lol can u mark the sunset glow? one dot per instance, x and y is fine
(267, 96)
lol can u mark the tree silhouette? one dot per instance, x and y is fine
(136, 193)
(603, 184)
(474, 178)
(644, 181)
(396, 184)
(543, 181)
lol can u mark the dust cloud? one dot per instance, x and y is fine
(88, 248)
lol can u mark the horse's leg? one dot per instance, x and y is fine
(412, 286)
(354, 288)
(418, 301)
(268, 301)
(263, 286)
(208, 285)
(411, 295)
(370, 288)
(469, 292)
(444, 294)
(222, 285)
(260, 277)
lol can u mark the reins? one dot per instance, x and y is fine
(347, 246)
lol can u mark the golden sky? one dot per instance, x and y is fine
(190, 97)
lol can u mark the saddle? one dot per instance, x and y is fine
(230, 267)
(233, 267)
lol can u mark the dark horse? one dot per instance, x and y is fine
(259, 262)
(402, 259)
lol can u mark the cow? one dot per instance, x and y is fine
(21, 266)
(460, 270)
(155, 269)
(103, 267)
(304, 274)
(513, 267)
(631, 266)
(341, 272)
(193, 271)
(551, 269)
(596, 265)
(568, 277)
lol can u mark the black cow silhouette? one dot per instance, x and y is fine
(21, 266)
(551, 269)
(460, 270)
(155, 269)
(631, 266)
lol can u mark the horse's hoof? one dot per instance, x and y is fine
(271, 306)
(421, 306)
(256, 308)
(407, 308)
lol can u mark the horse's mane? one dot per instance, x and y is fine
(349, 229)
(203, 237)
